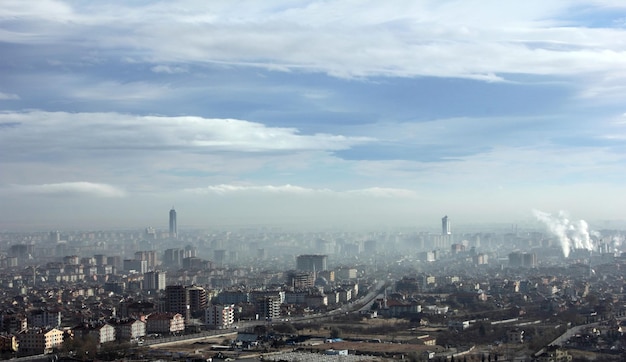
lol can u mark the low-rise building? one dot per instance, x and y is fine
(44, 318)
(554, 354)
(220, 316)
(316, 300)
(345, 295)
(515, 335)
(130, 330)
(267, 307)
(40, 340)
(165, 323)
(101, 333)
(8, 343)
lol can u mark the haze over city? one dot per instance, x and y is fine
(310, 113)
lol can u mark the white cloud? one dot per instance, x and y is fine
(384, 192)
(69, 189)
(473, 39)
(373, 192)
(224, 189)
(541, 166)
(168, 69)
(53, 131)
(606, 89)
(45, 10)
(182, 152)
(9, 96)
(118, 92)
(154, 152)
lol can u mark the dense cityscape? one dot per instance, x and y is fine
(511, 294)
(313, 180)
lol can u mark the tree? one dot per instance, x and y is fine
(335, 332)
(84, 348)
(114, 351)
(592, 299)
(260, 329)
(481, 330)
(285, 328)
(414, 357)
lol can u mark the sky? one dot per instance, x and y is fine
(319, 113)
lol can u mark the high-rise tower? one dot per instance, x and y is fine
(445, 226)
(173, 227)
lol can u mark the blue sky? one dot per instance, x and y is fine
(324, 113)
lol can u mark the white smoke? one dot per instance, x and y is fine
(616, 242)
(571, 234)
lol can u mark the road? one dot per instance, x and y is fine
(570, 332)
(188, 337)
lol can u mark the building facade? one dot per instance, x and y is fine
(44, 318)
(130, 330)
(522, 259)
(312, 263)
(134, 265)
(40, 340)
(220, 316)
(165, 323)
(267, 307)
(177, 300)
(198, 300)
(154, 280)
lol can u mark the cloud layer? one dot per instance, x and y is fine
(340, 38)
(69, 189)
(331, 110)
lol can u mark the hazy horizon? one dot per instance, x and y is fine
(311, 113)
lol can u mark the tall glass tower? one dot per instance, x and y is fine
(173, 227)
(445, 226)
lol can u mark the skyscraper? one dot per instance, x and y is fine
(445, 226)
(173, 227)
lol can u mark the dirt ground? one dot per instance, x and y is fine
(387, 330)
(390, 332)
(396, 336)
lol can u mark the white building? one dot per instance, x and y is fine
(40, 340)
(220, 316)
(130, 330)
(165, 323)
(103, 333)
(345, 295)
(267, 307)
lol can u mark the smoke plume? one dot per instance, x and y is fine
(571, 234)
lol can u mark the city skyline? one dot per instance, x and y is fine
(322, 114)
